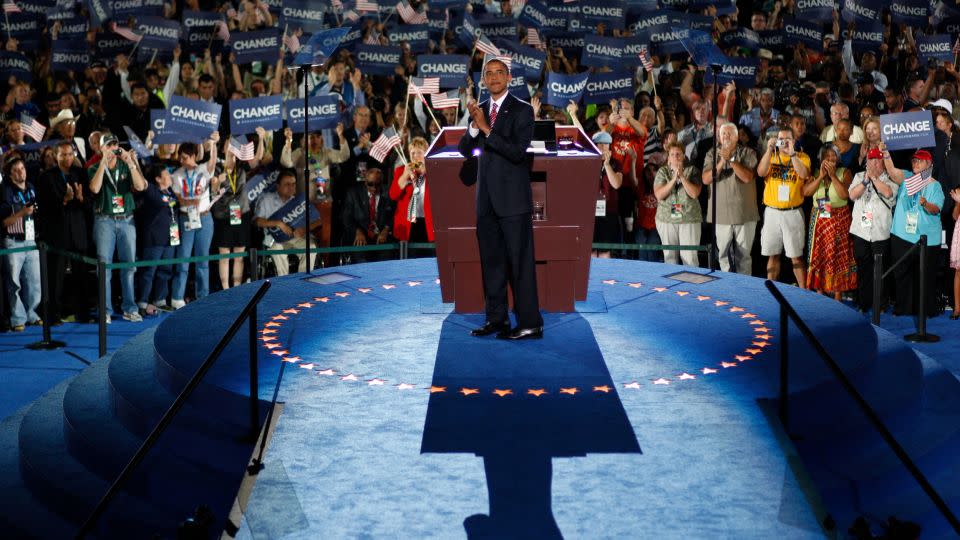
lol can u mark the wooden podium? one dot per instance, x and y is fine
(566, 182)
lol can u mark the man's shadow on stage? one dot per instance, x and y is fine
(518, 405)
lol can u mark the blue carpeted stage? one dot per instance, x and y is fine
(646, 413)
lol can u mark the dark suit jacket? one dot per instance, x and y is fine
(503, 166)
(356, 211)
(63, 225)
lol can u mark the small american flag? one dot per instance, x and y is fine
(410, 15)
(221, 30)
(505, 59)
(243, 151)
(373, 38)
(533, 38)
(446, 100)
(292, 43)
(956, 46)
(367, 5)
(125, 33)
(386, 142)
(9, 6)
(645, 59)
(917, 182)
(31, 127)
(423, 85)
(487, 46)
(351, 16)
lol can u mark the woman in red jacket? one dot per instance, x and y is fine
(412, 220)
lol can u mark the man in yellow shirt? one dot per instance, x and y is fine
(784, 171)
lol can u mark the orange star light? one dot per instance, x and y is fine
(469, 391)
(740, 358)
(686, 376)
(659, 289)
(350, 377)
(326, 372)
(437, 389)
(272, 345)
(376, 382)
(405, 386)
(280, 317)
(388, 286)
(635, 285)
(727, 365)
(605, 389)
(763, 336)
(719, 303)
(760, 343)
(661, 381)
(609, 282)
(323, 299)
(682, 293)
(632, 385)
(272, 324)
(736, 309)
(748, 316)
(536, 392)
(306, 366)
(413, 283)
(702, 298)
(342, 294)
(293, 359)
(291, 311)
(305, 305)
(269, 331)
(708, 371)
(502, 393)
(570, 391)
(268, 338)
(279, 353)
(754, 351)
(364, 290)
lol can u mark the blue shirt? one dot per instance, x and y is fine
(927, 224)
(753, 121)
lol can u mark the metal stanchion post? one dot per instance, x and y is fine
(46, 343)
(104, 306)
(254, 264)
(877, 286)
(921, 336)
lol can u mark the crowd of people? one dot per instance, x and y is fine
(798, 169)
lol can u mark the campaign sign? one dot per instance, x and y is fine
(600, 52)
(417, 35)
(162, 135)
(192, 19)
(14, 64)
(742, 71)
(304, 14)
(910, 12)
(324, 113)
(610, 13)
(534, 14)
(559, 89)
(192, 116)
(451, 68)
(532, 60)
(70, 55)
(47, 9)
(125, 8)
(246, 115)
(466, 29)
(772, 40)
(815, 10)
(678, 5)
(99, 11)
(255, 46)
(437, 20)
(25, 27)
(741, 37)
(692, 21)
(517, 87)
(641, 24)
(703, 51)
(348, 42)
(153, 8)
(937, 46)
(910, 130)
(668, 40)
(73, 28)
(602, 87)
(631, 51)
(320, 46)
(136, 144)
(861, 10)
(570, 42)
(867, 37)
(159, 33)
(378, 59)
(445, 4)
(796, 31)
(294, 214)
(642, 5)
(264, 181)
(504, 27)
(198, 38)
(108, 45)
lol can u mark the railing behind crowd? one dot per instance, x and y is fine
(787, 313)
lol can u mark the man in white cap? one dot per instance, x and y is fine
(500, 131)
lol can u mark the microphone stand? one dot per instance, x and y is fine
(713, 256)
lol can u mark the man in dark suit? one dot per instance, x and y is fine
(498, 136)
(367, 216)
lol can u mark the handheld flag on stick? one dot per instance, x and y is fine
(31, 127)
(917, 182)
(384, 143)
(243, 152)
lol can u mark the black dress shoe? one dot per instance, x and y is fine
(522, 333)
(490, 328)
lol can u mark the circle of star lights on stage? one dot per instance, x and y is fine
(761, 340)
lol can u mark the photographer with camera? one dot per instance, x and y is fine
(784, 170)
(18, 210)
(412, 219)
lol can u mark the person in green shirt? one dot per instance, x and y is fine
(112, 182)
